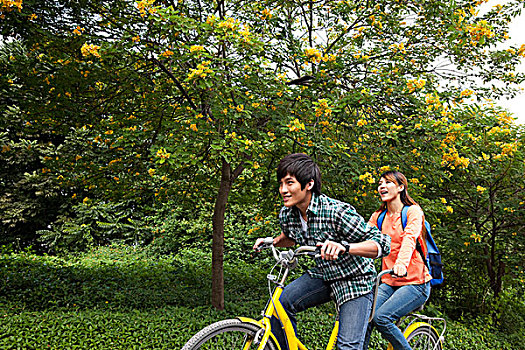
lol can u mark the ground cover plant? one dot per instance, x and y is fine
(121, 297)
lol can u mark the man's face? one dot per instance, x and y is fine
(290, 190)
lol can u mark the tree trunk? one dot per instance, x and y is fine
(217, 281)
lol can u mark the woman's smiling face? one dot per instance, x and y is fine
(388, 190)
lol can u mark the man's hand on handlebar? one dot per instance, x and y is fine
(261, 243)
(330, 250)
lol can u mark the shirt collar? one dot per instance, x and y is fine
(315, 204)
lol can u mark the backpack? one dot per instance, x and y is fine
(433, 257)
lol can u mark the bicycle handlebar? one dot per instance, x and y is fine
(289, 255)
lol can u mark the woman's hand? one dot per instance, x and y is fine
(400, 270)
(330, 250)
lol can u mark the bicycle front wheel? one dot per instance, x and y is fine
(228, 334)
(424, 337)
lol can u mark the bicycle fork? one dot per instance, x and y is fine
(274, 309)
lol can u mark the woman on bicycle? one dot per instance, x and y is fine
(398, 296)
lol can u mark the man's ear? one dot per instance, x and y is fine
(310, 185)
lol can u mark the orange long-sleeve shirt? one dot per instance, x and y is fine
(403, 246)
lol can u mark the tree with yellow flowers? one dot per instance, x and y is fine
(136, 103)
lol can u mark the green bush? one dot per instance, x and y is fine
(121, 297)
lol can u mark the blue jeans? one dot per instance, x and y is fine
(306, 292)
(392, 304)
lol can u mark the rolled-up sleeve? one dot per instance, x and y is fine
(356, 230)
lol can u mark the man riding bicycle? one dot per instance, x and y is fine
(346, 243)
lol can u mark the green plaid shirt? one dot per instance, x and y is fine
(350, 276)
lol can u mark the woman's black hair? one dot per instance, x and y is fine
(303, 168)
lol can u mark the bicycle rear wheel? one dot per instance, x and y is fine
(228, 334)
(424, 337)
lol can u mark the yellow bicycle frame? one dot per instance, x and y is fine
(276, 309)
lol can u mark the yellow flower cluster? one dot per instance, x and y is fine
(453, 158)
(396, 127)
(211, 20)
(505, 118)
(361, 122)
(521, 51)
(479, 30)
(313, 55)
(196, 48)
(296, 125)
(248, 144)
(230, 24)
(398, 48)
(466, 93)
(498, 130)
(201, 71)
(245, 33)
(9, 5)
(508, 149)
(162, 154)
(252, 230)
(145, 7)
(266, 14)
(476, 237)
(367, 177)
(414, 84)
(480, 189)
(329, 58)
(167, 53)
(78, 30)
(433, 101)
(90, 49)
(323, 109)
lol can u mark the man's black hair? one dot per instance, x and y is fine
(303, 168)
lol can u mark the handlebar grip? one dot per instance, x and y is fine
(391, 272)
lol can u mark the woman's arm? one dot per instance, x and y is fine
(409, 237)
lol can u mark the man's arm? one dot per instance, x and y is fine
(369, 241)
(330, 250)
(280, 241)
(283, 241)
